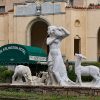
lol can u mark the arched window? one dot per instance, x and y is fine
(77, 44)
(77, 23)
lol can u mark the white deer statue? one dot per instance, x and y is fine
(85, 70)
(24, 71)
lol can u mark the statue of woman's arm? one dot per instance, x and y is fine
(66, 32)
(61, 32)
(50, 40)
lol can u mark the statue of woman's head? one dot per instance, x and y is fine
(55, 31)
(51, 30)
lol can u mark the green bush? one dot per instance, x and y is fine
(5, 74)
(91, 63)
(71, 72)
(3, 68)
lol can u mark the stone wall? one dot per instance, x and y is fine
(68, 91)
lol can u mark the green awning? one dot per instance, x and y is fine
(20, 54)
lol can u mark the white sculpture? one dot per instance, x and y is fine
(85, 70)
(37, 80)
(57, 68)
(22, 71)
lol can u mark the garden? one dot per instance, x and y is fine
(6, 78)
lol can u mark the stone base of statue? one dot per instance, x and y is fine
(88, 84)
(19, 83)
(36, 80)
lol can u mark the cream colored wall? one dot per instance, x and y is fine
(85, 30)
(2, 37)
(11, 27)
(66, 43)
(80, 30)
(93, 26)
(20, 26)
(84, 3)
(9, 3)
(59, 20)
(89, 26)
(2, 2)
(78, 2)
(4, 29)
(17, 30)
(87, 2)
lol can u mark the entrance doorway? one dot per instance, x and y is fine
(39, 34)
(98, 45)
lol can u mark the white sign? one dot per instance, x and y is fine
(37, 58)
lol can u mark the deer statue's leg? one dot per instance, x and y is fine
(76, 79)
(79, 79)
(28, 79)
(96, 78)
(13, 77)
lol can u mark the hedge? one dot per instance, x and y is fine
(5, 75)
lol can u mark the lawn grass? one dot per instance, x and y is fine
(40, 96)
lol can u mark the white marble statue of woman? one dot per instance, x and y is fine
(55, 60)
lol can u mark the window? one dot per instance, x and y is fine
(77, 41)
(77, 23)
(2, 9)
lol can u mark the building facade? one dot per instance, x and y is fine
(26, 22)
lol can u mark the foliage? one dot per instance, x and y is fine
(3, 68)
(71, 72)
(5, 74)
(91, 63)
